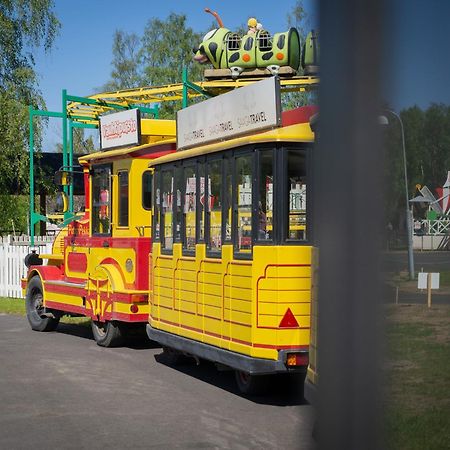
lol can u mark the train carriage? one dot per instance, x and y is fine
(98, 267)
(230, 265)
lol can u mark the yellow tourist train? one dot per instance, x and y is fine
(200, 229)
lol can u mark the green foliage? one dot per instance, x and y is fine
(156, 58)
(14, 214)
(24, 25)
(81, 144)
(427, 144)
(166, 50)
(127, 62)
(298, 18)
(12, 306)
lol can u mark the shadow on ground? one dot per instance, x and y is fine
(283, 390)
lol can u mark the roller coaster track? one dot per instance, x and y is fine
(90, 108)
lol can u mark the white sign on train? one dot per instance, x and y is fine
(251, 108)
(120, 129)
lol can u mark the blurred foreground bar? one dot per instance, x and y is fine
(348, 211)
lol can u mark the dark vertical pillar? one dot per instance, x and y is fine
(347, 215)
(43, 211)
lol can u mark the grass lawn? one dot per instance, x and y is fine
(417, 377)
(12, 305)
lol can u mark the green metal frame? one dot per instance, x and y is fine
(89, 120)
(69, 123)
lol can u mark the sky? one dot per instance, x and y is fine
(415, 69)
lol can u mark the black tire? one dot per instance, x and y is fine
(37, 315)
(107, 334)
(251, 384)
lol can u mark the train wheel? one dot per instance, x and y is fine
(251, 384)
(107, 334)
(173, 357)
(39, 318)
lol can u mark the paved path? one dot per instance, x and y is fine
(60, 390)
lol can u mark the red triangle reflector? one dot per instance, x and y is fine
(289, 320)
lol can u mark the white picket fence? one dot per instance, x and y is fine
(13, 250)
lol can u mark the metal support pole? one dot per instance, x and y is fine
(70, 165)
(64, 131)
(409, 215)
(185, 88)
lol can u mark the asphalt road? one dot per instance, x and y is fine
(61, 390)
(429, 261)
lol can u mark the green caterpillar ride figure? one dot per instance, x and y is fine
(276, 55)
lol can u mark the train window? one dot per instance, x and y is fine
(177, 205)
(266, 225)
(201, 201)
(123, 199)
(214, 205)
(147, 190)
(101, 200)
(157, 203)
(190, 186)
(296, 176)
(167, 209)
(227, 200)
(243, 202)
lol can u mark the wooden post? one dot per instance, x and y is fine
(429, 289)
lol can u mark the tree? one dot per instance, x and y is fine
(427, 147)
(166, 50)
(81, 143)
(127, 62)
(298, 18)
(156, 58)
(25, 25)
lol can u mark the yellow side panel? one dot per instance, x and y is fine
(65, 299)
(234, 304)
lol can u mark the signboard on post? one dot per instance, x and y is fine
(428, 281)
(251, 108)
(422, 280)
(120, 129)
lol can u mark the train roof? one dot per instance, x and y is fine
(295, 128)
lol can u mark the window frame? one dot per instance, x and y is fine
(275, 227)
(238, 153)
(92, 172)
(284, 191)
(188, 164)
(166, 251)
(209, 251)
(151, 173)
(119, 173)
